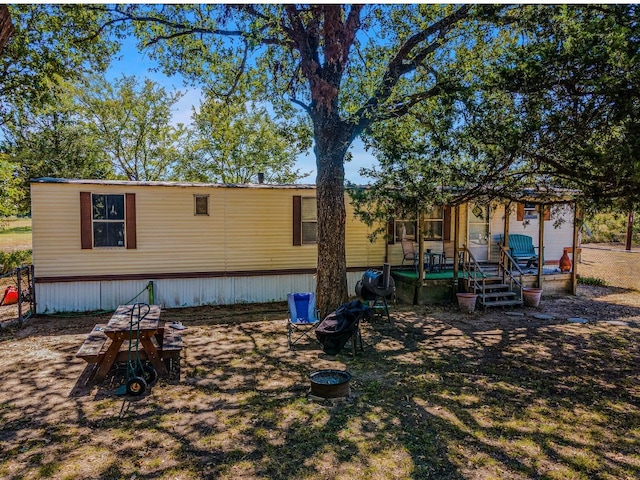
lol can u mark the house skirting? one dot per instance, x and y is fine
(106, 294)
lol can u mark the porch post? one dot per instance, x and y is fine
(456, 248)
(540, 243)
(420, 258)
(577, 218)
(507, 216)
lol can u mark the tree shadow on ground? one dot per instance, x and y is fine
(436, 394)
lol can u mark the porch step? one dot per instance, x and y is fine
(489, 295)
(502, 303)
(496, 286)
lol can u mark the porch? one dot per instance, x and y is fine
(495, 285)
(475, 256)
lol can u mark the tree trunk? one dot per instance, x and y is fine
(331, 146)
(6, 27)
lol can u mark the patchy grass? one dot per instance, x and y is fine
(436, 395)
(593, 281)
(16, 234)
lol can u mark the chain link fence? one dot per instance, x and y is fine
(17, 296)
(611, 264)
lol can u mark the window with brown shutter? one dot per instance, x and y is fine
(529, 211)
(309, 219)
(305, 220)
(107, 220)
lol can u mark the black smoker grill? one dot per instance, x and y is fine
(376, 287)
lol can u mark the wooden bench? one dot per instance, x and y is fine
(92, 348)
(169, 344)
(521, 249)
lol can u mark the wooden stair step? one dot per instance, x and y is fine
(502, 303)
(492, 279)
(495, 286)
(497, 294)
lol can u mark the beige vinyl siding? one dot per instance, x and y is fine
(248, 229)
(359, 250)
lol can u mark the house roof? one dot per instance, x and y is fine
(79, 181)
(545, 195)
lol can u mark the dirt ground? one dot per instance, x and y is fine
(423, 400)
(56, 423)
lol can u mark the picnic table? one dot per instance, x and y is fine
(109, 343)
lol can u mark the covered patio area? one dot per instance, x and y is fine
(493, 247)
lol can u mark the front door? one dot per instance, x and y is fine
(478, 231)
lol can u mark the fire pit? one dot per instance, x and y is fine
(330, 383)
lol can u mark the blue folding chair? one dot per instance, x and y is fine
(303, 316)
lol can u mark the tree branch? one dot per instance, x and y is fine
(398, 66)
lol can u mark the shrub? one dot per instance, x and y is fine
(592, 281)
(12, 260)
(608, 227)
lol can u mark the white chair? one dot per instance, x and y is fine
(409, 253)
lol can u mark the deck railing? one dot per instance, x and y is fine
(510, 271)
(472, 272)
(476, 277)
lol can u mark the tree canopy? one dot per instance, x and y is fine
(347, 66)
(485, 98)
(234, 139)
(556, 107)
(49, 43)
(130, 122)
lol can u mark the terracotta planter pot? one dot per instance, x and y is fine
(467, 301)
(531, 296)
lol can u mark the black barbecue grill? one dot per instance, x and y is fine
(377, 286)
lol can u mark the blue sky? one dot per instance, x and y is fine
(136, 63)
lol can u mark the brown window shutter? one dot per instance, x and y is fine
(547, 213)
(391, 232)
(130, 227)
(520, 212)
(86, 231)
(297, 220)
(446, 224)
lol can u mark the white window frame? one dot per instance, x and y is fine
(310, 221)
(434, 216)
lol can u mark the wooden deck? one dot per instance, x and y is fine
(441, 287)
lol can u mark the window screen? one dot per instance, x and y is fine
(201, 204)
(309, 220)
(108, 220)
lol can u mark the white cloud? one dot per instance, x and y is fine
(183, 109)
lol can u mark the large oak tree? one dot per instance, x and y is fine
(346, 66)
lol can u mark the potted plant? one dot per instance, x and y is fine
(531, 296)
(467, 301)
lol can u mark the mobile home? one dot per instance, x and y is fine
(101, 243)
